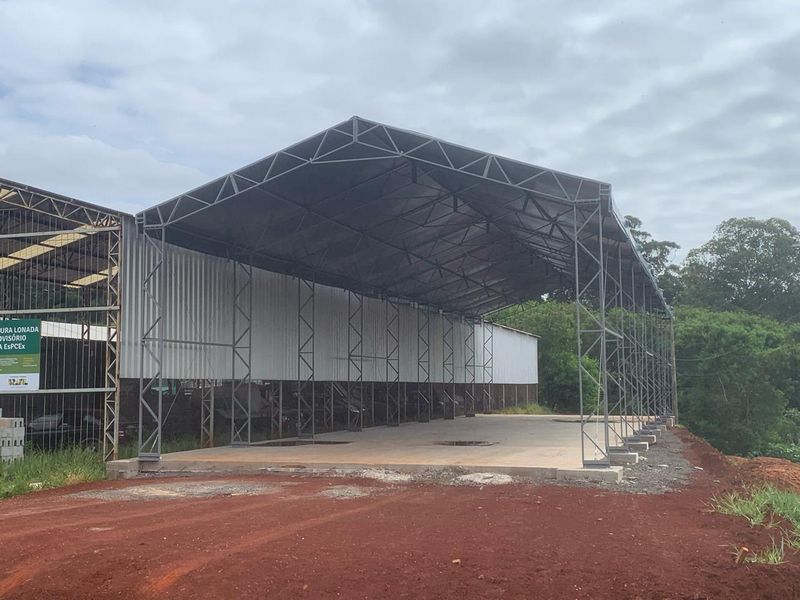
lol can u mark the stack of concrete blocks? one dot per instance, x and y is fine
(636, 445)
(12, 438)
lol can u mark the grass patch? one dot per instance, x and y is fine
(526, 409)
(774, 555)
(45, 470)
(177, 445)
(760, 506)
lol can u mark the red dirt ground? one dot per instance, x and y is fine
(777, 471)
(516, 541)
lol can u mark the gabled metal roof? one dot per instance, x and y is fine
(389, 212)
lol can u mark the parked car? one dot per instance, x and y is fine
(72, 427)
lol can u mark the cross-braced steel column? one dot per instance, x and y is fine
(151, 347)
(241, 355)
(276, 409)
(305, 358)
(424, 394)
(632, 334)
(355, 361)
(207, 413)
(615, 349)
(469, 368)
(448, 368)
(112, 396)
(488, 366)
(673, 371)
(627, 411)
(590, 311)
(392, 363)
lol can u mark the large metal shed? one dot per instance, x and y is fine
(408, 219)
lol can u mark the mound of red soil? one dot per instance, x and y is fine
(779, 472)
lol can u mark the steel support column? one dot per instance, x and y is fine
(111, 400)
(424, 392)
(673, 371)
(615, 345)
(590, 312)
(151, 347)
(392, 363)
(469, 368)
(448, 368)
(241, 355)
(207, 413)
(488, 366)
(305, 358)
(355, 361)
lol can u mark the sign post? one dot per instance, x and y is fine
(20, 340)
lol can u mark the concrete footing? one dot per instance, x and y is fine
(611, 474)
(122, 469)
(640, 447)
(623, 458)
(642, 437)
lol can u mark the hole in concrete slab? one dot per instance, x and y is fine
(304, 443)
(464, 443)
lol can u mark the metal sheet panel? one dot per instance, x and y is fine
(199, 307)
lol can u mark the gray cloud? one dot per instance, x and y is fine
(688, 110)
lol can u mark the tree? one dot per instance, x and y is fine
(737, 376)
(554, 322)
(657, 254)
(749, 264)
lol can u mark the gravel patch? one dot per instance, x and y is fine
(181, 489)
(661, 469)
(346, 492)
(385, 475)
(485, 479)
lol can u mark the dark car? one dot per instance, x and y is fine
(68, 428)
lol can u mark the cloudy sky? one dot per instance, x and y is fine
(689, 109)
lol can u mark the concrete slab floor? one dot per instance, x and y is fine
(518, 444)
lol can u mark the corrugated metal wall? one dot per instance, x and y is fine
(199, 307)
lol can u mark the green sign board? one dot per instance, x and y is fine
(20, 341)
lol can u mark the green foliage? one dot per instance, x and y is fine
(761, 506)
(749, 264)
(554, 322)
(786, 451)
(179, 444)
(774, 555)
(657, 254)
(526, 409)
(44, 470)
(737, 374)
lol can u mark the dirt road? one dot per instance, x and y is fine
(297, 537)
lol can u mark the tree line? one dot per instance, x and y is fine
(737, 335)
